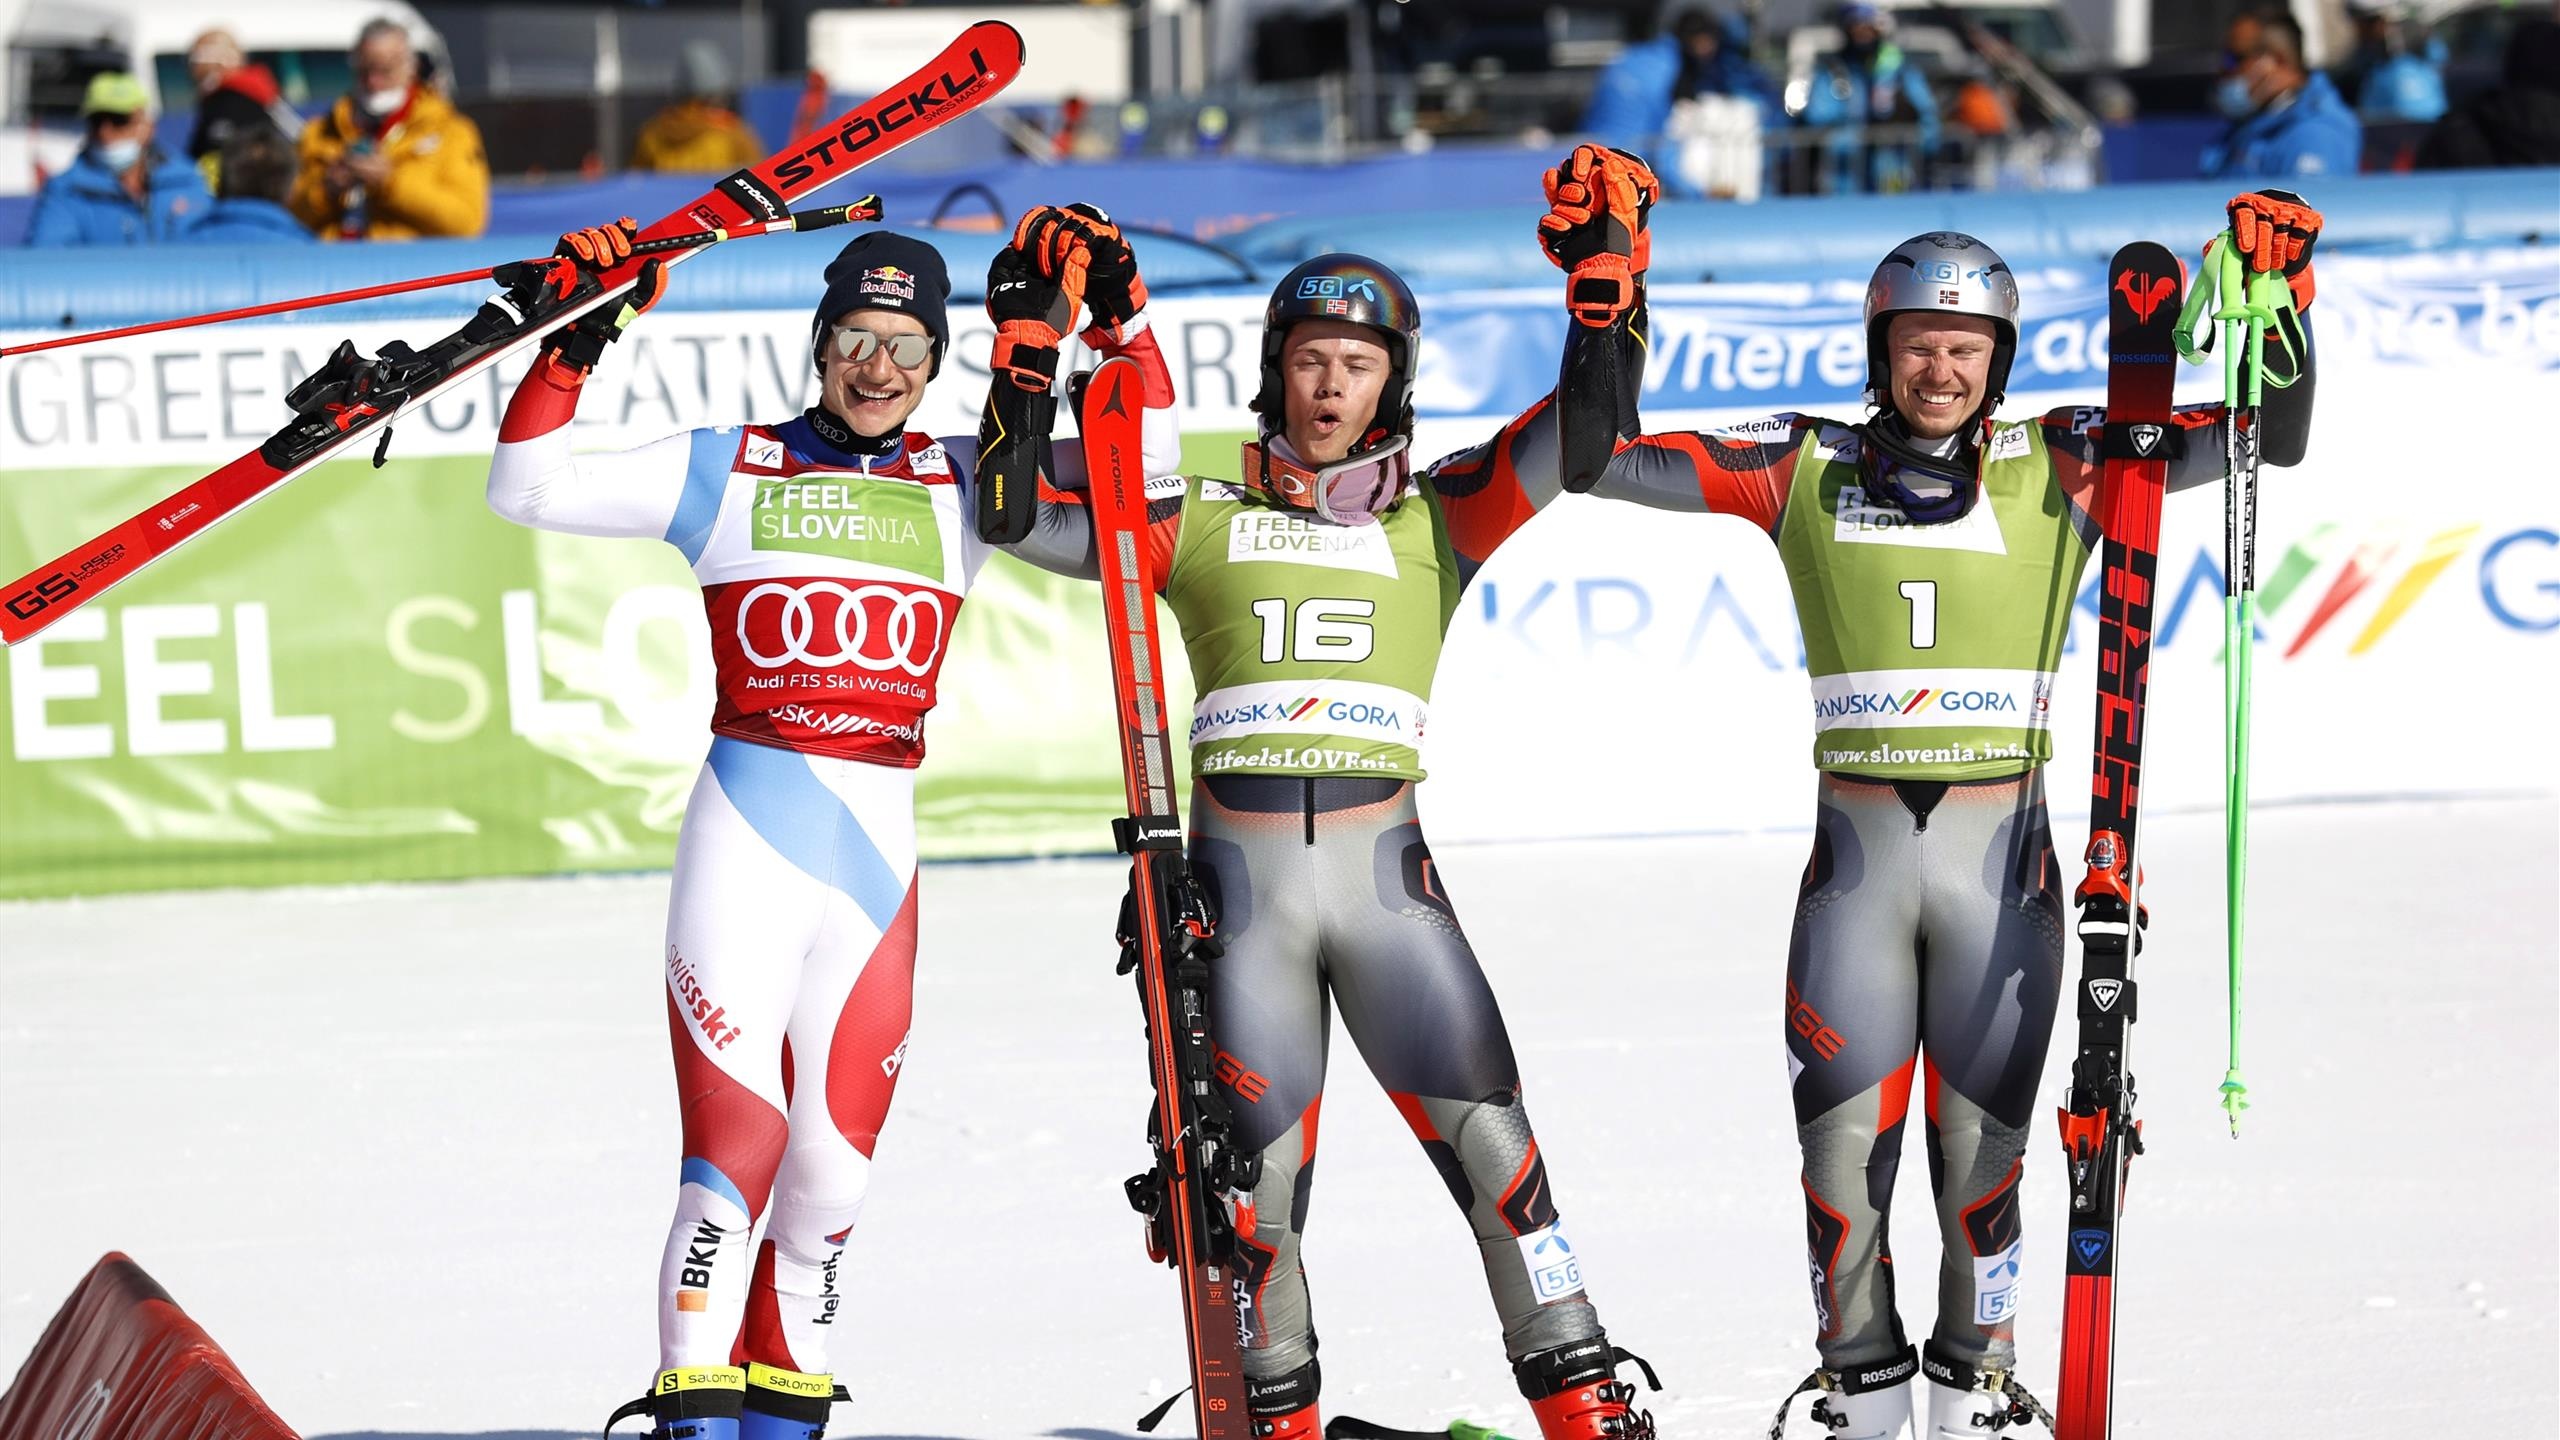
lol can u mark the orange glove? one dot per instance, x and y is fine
(1598, 204)
(2275, 231)
(1084, 252)
(600, 247)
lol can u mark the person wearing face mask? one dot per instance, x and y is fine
(1314, 591)
(1870, 83)
(1934, 551)
(392, 159)
(2285, 120)
(122, 189)
(833, 557)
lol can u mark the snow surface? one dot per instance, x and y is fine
(408, 1151)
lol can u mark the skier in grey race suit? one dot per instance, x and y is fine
(1934, 552)
(1313, 595)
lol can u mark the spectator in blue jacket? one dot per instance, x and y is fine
(1701, 53)
(122, 189)
(2285, 120)
(2391, 76)
(1870, 82)
(257, 170)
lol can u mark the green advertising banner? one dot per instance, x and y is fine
(368, 676)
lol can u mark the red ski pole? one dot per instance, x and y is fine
(866, 208)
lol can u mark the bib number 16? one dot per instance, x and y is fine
(1335, 632)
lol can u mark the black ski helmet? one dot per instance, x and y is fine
(1359, 290)
(1950, 273)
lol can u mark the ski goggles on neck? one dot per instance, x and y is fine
(907, 352)
(1354, 490)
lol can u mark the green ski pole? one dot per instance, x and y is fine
(2245, 306)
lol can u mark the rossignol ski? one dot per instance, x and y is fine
(2100, 1137)
(1167, 935)
(352, 397)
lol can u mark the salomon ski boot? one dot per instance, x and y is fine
(1968, 1403)
(690, 1402)
(1575, 1392)
(1285, 1408)
(787, 1405)
(1870, 1401)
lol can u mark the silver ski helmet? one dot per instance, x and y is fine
(1359, 290)
(1951, 273)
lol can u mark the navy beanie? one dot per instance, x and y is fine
(883, 270)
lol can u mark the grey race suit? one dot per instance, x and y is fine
(1928, 930)
(1327, 895)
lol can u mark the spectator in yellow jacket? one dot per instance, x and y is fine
(392, 160)
(698, 132)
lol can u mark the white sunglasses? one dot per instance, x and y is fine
(907, 352)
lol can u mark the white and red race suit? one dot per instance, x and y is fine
(833, 567)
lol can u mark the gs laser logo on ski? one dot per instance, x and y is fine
(886, 122)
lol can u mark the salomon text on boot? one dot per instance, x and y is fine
(690, 1402)
(786, 1404)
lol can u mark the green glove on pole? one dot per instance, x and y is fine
(2245, 307)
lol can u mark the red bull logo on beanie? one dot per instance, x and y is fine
(888, 280)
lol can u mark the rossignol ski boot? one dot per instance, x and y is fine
(1967, 1402)
(1870, 1401)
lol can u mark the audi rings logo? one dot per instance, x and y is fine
(824, 623)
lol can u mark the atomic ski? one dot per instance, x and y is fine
(1167, 934)
(1351, 1427)
(2100, 1137)
(352, 397)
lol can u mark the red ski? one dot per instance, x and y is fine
(353, 397)
(2100, 1137)
(1167, 934)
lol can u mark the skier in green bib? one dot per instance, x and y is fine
(1934, 553)
(1313, 592)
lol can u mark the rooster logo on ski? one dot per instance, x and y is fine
(2145, 293)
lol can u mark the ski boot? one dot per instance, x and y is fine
(1285, 1408)
(1575, 1392)
(1968, 1403)
(787, 1405)
(1858, 1402)
(690, 1402)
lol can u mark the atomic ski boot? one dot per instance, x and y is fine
(1575, 1392)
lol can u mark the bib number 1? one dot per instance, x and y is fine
(1923, 595)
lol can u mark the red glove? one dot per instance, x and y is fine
(2274, 231)
(1598, 203)
(593, 251)
(1081, 249)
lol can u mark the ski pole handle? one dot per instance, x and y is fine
(2193, 340)
(866, 208)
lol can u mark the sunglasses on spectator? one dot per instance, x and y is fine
(907, 352)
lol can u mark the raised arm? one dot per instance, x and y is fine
(669, 489)
(2273, 230)
(1028, 496)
